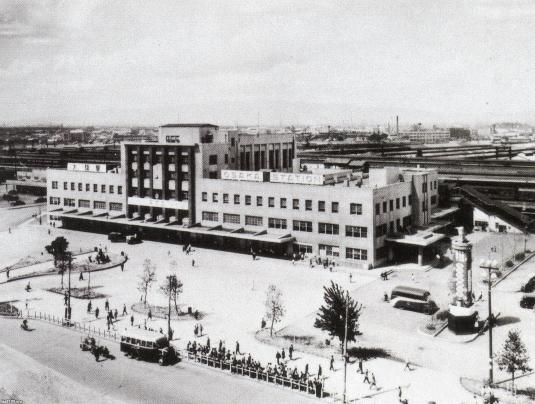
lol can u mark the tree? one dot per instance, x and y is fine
(332, 316)
(58, 249)
(147, 278)
(274, 306)
(172, 288)
(514, 356)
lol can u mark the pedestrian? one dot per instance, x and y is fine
(283, 354)
(96, 312)
(193, 263)
(115, 314)
(407, 366)
(124, 310)
(89, 307)
(150, 314)
(26, 304)
(195, 330)
(122, 266)
(208, 342)
(366, 377)
(306, 370)
(49, 232)
(107, 305)
(385, 297)
(81, 278)
(331, 367)
(238, 348)
(373, 383)
(108, 323)
(200, 330)
(319, 371)
(132, 320)
(278, 357)
(291, 351)
(350, 278)
(360, 367)
(399, 393)
(263, 324)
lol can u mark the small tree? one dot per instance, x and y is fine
(332, 316)
(172, 288)
(514, 356)
(274, 306)
(147, 278)
(57, 248)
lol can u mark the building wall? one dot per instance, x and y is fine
(492, 223)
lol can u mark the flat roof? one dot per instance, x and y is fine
(188, 125)
(145, 335)
(419, 239)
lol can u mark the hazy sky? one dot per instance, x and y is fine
(154, 62)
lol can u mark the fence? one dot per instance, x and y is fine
(312, 388)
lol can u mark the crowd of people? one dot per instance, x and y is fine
(280, 372)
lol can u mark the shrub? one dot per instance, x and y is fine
(442, 315)
(509, 264)
(367, 353)
(529, 287)
(431, 326)
(520, 256)
(18, 203)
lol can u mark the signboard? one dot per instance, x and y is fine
(158, 203)
(94, 168)
(172, 139)
(291, 178)
(236, 175)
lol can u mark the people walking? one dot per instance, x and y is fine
(373, 384)
(106, 305)
(96, 312)
(319, 371)
(360, 367)
(89, 307)
(278, 357)
(132, 320)
(238, 348)
(124, 310)
(291, 351)
(150, 314)
(283, 354)
(366, 377)
(116, 314)
(331, 367)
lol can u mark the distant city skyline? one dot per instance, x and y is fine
(130, 63)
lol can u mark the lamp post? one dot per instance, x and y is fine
(490, 265)
(69, 256)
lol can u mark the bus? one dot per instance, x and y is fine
(147, 345)
(410, 293)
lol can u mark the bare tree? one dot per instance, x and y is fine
(172, 288)
(147, 278)
(274, 306)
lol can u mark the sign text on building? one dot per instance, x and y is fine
(95, 168)
(291, 178)
(242, 175)
(172, 139)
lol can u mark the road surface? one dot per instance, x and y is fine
(128, 380)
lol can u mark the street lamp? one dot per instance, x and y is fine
(490, 265)
(345, 347)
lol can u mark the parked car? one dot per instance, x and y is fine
(116, 237)
(17, 203)
(133, 239)
(527, 301)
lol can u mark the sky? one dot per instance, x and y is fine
(266, 62)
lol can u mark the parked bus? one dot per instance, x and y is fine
(410, 293)
(147, 345)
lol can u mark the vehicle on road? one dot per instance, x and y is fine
(133, 239)
(420, 306)
(410, 293)
(527, 301)
(149, 346)
(116, 237)
(89, 344)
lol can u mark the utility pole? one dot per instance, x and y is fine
(345, 347)
(169, 308)
(490, 266)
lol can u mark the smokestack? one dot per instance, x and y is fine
(397, 125)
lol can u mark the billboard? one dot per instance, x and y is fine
(291, 178)
(235, 175)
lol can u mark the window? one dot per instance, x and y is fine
(328, 228)
(391, 203)
(204, 196)
(184, 195)
(69, 202)
(258, 201)
(112, 189)
(103, 188)
(210, 216)
(404, 201)
(247, 200)
(65, 186)
(433, 199)
(424, 187)
(301, 225)
(384, 207)
(308, 204)
(214, 197)
(321, 206)
(120, 189)
(377, 209)
(302, 248)
(274, 223)
(95, 188)
(80, 187)
(225, 198)
(99, 205)
(355, 209)
(72, 186)
(380, 230)
(410, 200)
(212, 159)
(54, 185)
(295, 203)
(329, 250)
(397, 203)
(83, 203)
(226, 158)
(87, 187)
(283, 203)
(236, 199)
(334, 207)
(381, 252)
(55, 200)
(253, 220)
(356, 254)
(116, 206)
(356, 231)
(271, 202)
(229, 218)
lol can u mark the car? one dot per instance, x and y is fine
(133, 239)
(527, 301)
(420, 306)
(116, 237)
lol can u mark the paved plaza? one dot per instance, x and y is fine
(229, 289)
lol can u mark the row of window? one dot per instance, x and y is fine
(388, 206)
(397, 226)
(351, 253)
(80, 187)
(276, 223)
(354, 208)
(85, 203)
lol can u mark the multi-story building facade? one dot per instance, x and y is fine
(427, 136)
(191, 187)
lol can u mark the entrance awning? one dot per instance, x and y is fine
(423, 239)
